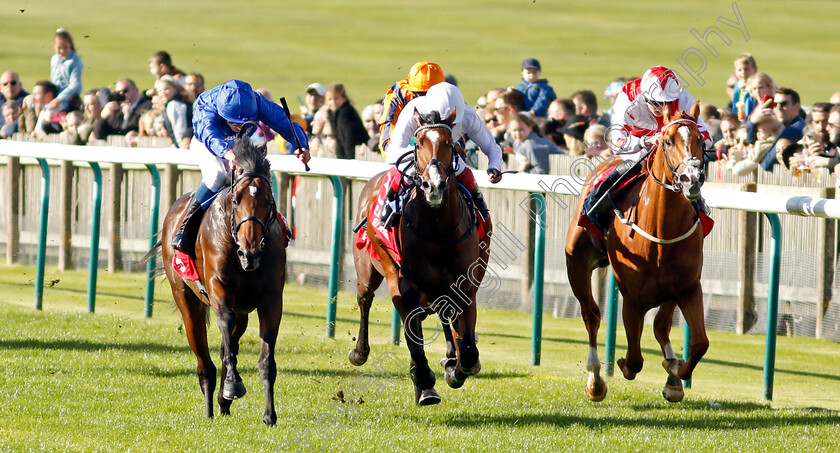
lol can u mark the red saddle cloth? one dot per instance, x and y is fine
(391, 180)
(706, 222)
(184, 264)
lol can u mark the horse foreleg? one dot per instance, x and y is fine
(365, 287)
(193, 313)
(270, 315)
(633, 324)
(232, 328)
(692, 309)
(579, 269)
(673, 390)
(408, 305)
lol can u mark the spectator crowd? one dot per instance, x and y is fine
(762, 127)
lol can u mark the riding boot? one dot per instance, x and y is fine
(184, 239)
(597, 205)
(390, 208)
(701, 206)
(467, 180)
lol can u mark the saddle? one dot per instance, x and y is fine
(392, 207)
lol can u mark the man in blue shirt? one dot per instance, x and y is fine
(786, 108)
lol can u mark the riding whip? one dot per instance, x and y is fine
(289, 117)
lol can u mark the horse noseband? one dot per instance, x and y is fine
(266, 225)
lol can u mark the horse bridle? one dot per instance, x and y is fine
(449, 171)
(676, 185)
(266, 225)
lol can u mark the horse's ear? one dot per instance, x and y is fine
(450, 119)
(417, 117)
(695, 110)
(666, 114)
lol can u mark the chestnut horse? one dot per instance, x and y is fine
(661, 269)
(439, 272)
(241, 260)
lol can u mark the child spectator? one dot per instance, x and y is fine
(761, 88)
(66, 73)
(767, 132)
(177, 114)
(537, 92)
(530, 149)
(70, 128)
(744, 68)
(573, 134)
(11, 112)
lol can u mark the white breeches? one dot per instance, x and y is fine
(214, 169)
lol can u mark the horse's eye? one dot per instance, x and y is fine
(668, 142)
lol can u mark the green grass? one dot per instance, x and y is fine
(114, 381)
(368, 45)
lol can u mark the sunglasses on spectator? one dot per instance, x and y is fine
(782, 104)
(10, 82)
(834, 125)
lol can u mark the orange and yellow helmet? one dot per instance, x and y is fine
(423, 75)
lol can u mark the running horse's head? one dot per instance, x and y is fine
(434, 154)
(681, 146)
(252, 207)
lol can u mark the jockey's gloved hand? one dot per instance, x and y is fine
(495, 175)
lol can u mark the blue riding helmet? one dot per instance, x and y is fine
(237, 102)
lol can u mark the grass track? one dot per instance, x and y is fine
(114, 381)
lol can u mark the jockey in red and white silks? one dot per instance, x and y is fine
(637, 113)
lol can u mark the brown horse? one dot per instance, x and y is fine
(660, 270)
(241, 260)
(443, 262)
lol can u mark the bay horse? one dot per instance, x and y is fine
(441, 268)
(241, 261)
(661, 270)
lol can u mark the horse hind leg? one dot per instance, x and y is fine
(633, 362)
(232, 327)
(365, 287)
(193, 313)
(673, 390)
(579, 265)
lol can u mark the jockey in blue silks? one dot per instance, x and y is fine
(218, 116)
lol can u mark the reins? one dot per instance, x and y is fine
(675, 186)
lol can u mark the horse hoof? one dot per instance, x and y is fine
(270, 420)
(474, 370)
(596, 389)
(451, 380)
(447, 362)
(428, 397)
(622, 365)
(234, 391)
(356, 358)
(673, 390)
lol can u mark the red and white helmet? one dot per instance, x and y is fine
(660, 84)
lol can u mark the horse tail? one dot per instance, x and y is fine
(155, 254)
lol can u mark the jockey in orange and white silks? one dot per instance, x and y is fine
(444, 98)
(638, 109)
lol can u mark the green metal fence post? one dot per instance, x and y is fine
(539, 269)
(42, 233)
(772, 303)
(686, 352)
(154, 213)
(335, 255)
(94, 235)
(612, 320)
(396, 326)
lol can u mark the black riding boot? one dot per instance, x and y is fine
(597, 205)
(389, 210)
(184, 239)
(480, 203)
(701, 206)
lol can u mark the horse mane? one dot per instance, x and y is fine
(432, 117)
(250, 157)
